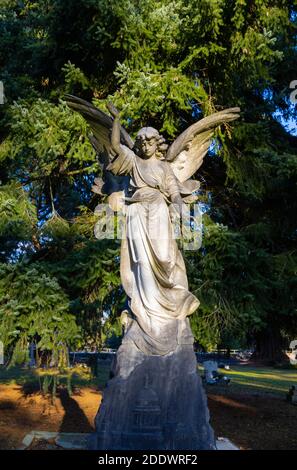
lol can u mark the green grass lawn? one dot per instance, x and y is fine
(259, 379)
(243, 378)
(76, 376)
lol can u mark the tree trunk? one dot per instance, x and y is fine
(270, 347)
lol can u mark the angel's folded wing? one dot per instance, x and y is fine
(187, 152)
(101, 126)
(100, 123)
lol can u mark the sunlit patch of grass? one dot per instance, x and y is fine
(79, 376)
(266, 380)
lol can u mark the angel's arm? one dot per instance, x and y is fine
(123, 162)
(116, 130)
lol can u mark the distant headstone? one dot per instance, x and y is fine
(32, 350)
(210, 371)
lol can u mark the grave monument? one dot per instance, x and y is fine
(155, 400)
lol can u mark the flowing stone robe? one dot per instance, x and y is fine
(153, 271)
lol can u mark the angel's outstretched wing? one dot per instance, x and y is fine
(187, 152)
(101, 126)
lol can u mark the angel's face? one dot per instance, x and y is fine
(147, 147)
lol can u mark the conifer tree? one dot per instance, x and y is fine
(166, 64)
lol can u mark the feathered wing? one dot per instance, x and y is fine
(187, 152)
(101, 126)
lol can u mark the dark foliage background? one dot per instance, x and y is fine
(166, 64)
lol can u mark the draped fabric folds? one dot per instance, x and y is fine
(152, 268)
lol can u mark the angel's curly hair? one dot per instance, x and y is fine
(150, 133)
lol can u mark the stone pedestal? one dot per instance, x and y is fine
(154, 402)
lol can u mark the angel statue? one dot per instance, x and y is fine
(155, 367)
(153, 271)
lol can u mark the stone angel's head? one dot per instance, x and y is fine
(150, 143)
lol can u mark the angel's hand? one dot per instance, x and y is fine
(179, 215)
(112, 109)
(179, 205)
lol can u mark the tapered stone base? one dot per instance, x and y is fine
(154, 403)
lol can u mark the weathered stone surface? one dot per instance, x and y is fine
(27, 441)
(75, 441)
(29, 438)
(46, 435)
(225, 444)
(71, 441)
(154, 403)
